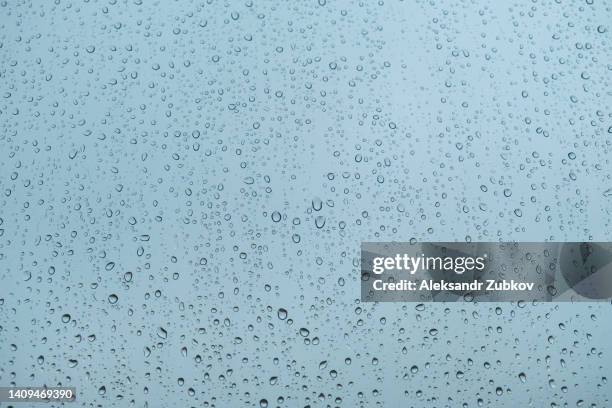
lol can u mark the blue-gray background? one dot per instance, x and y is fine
(185, 187)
